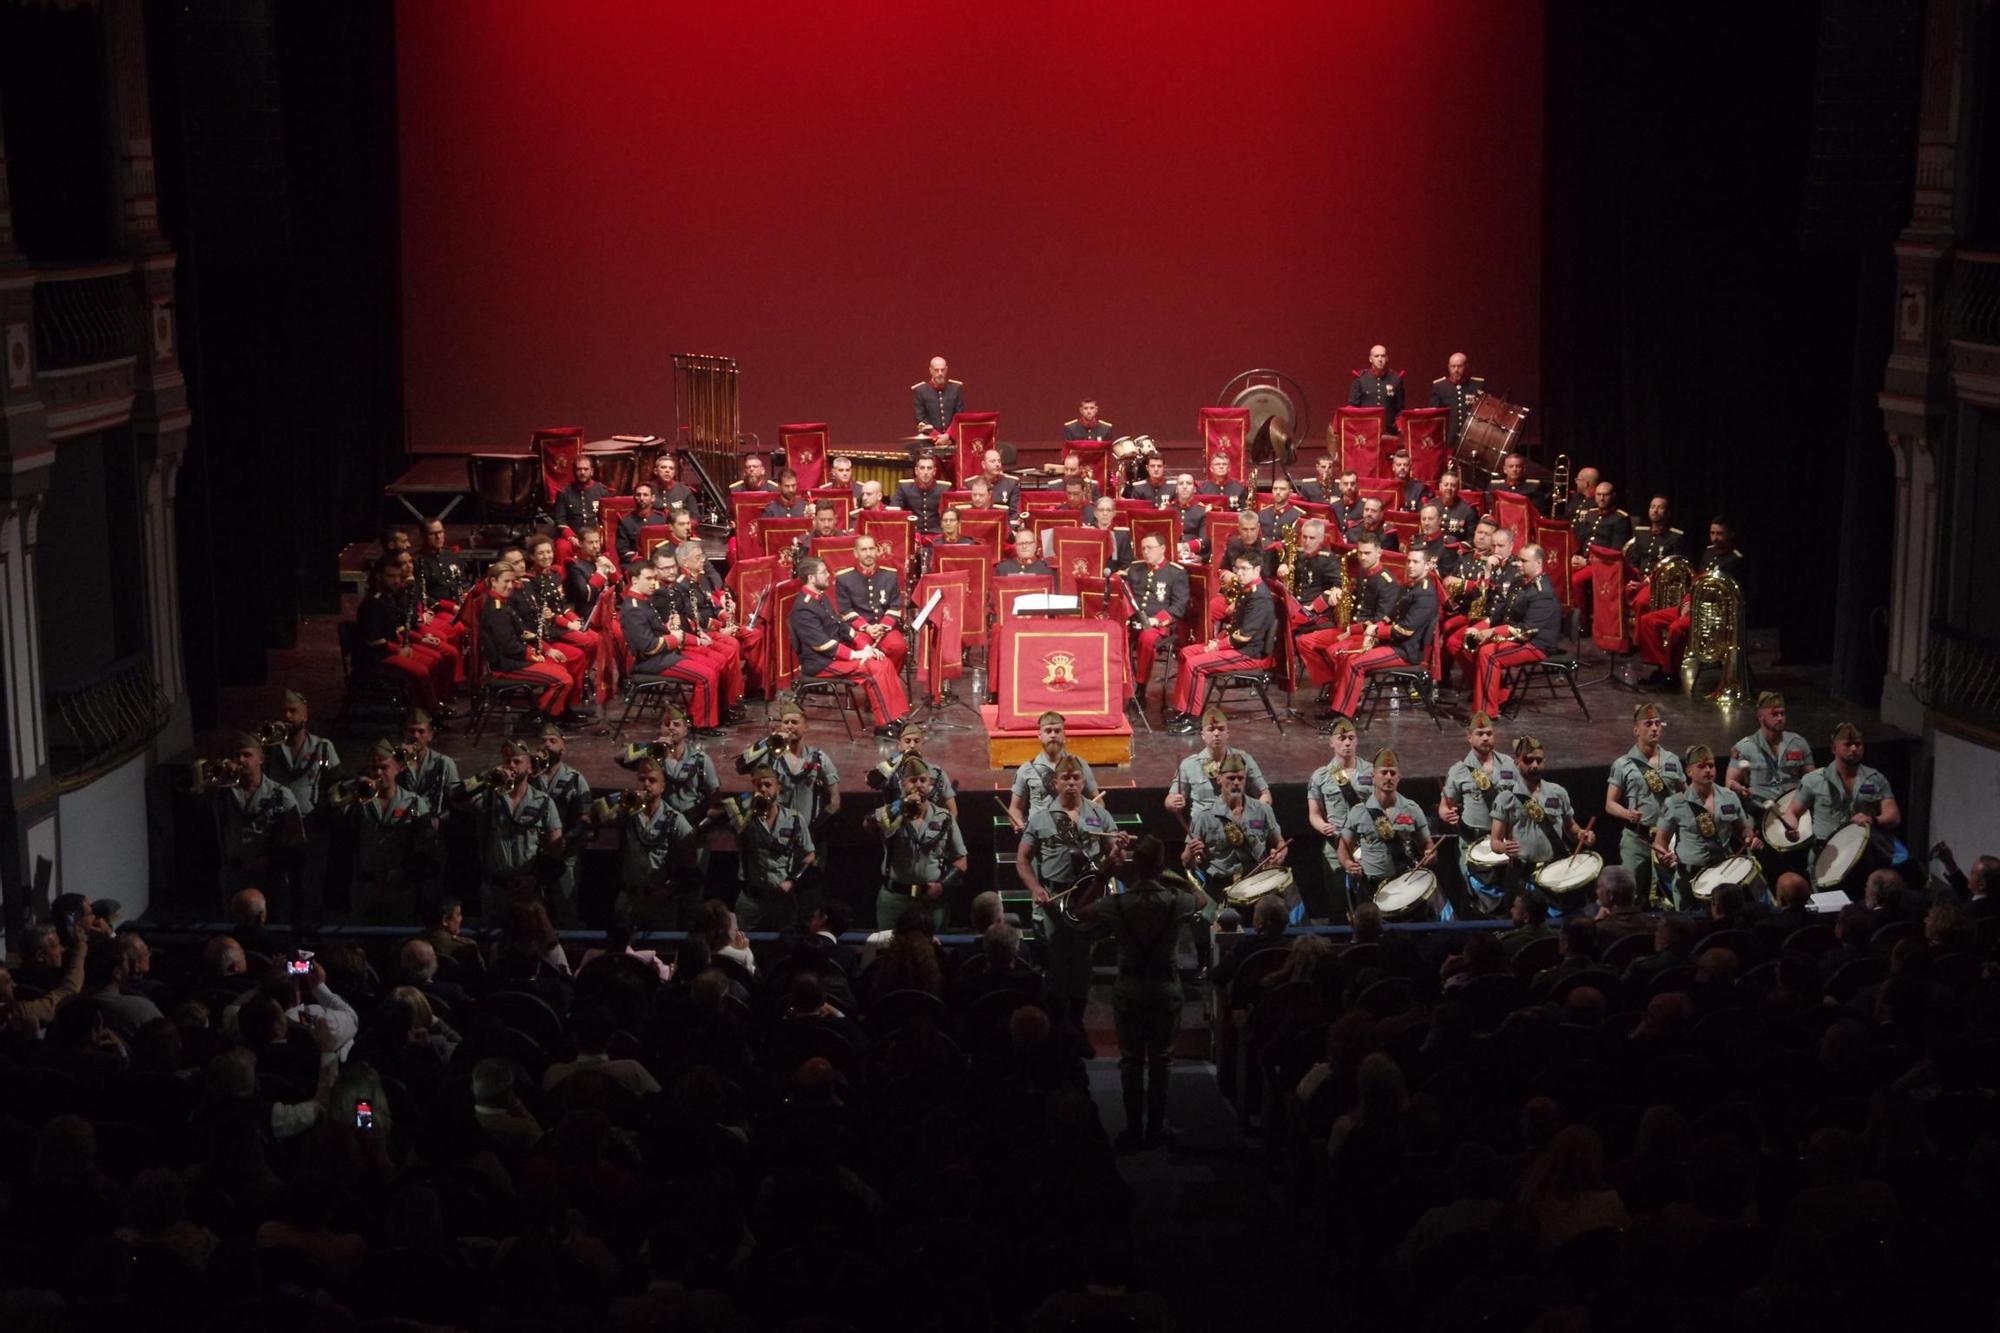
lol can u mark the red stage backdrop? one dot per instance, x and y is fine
(1128, 199)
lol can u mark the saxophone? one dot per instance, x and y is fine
(1290, 557)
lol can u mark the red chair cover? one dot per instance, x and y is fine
(779, 533)
(978, 570)
(1082, 549)
(1226, 430)
(1162, 523)
(805, 446)
(784, 660)
(843, 502)
(1558, 543)
(972, 434)
(612, 654)
(1516, 513)
(1608, 607)
(744, 509)
(953, 612)
(838, 552)
(558, 447)
(1361, 441)
(891, 530)
(1384, 489)
(989, 530)
(1423, 430)
(1096, 456)
(1201, 625)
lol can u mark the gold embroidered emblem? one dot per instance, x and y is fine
(1535, 810)
(1233, 835)
(1383, 830)
(1062, 670)
(1654, 782)
(1481, 781)
(1704, 824)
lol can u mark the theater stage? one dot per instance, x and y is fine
(1580, 750)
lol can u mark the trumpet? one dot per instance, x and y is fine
(273, 733)
(217, 773)
(633, 800)
(497, 776)
(355, 791)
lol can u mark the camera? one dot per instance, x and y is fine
(364, 1115)
(300, 964)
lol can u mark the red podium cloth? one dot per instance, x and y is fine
(989, 530)
(1361, 441)
(558, 447)
(1226, 430)
(805, 445)
(1423, 431)
(1608, 629)
(1076, 668)
(953, 610)
(755, 581)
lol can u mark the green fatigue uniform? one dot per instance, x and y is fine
(434, 777)
(1539, 820)
(1338, 791)
(1645, 787)
(1475, 788)
(512, 833)
(1703, 835)
(1388, 840)
(1061, 857)
(1833, 803)
(395, 842)
(1235, 842)
(770, 852)
(804, 779)
(915, 854)
(1035, 782)
(1146, 999)
(250, 826)
(305, 771)
(1195, 779)
(654, 849)
(571, 794)
(1770, 771)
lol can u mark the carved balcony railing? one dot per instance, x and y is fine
(97, 723)
(86, 315)
(1960, 676)
(1975, 297)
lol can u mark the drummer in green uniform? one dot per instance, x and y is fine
(1387, 835)
(1846, 791)
(1765, 766)
(1702, 827)
(1146, 999)
(1344, 782)
(1536, 822)
(1064, 841)
(1642, 780)
(1232, 837)
(1466, 804)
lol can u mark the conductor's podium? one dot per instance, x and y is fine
(1098, 746)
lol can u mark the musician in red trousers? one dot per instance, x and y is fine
(1662, 632)
(510, 655)
(828, 647)
(1400, 639)
(1245, 645)
(1529, 630)
(382, 623)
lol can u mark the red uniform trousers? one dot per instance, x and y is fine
(574, 662)
(879, 681)
(1191, 685)
(1152, 640)
(891, 643)
(1582, 592)
(1663, 637)
(1643, 598)
(727, 651)
(1489, 667)
(560, 690)
(750, 648)
(1321, 651)
(425, 675)
(1451, 625)
(705, 675)
(1353, 676)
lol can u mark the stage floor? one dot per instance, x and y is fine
(959, 744)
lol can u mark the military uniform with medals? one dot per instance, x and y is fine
(1646, 788)
(1459, 399)
(1475, 789)
(1704, 835)
(1338, 791)
(1383, 390)
(915, 854)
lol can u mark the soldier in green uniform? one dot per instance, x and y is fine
(808, 781)
(1702, 827)
(1064, 840)
(304, 764)
(922, 849)
(1230, 838)
(1387, 835)
(1642, 780)
(1146, 999)
(257, 825)
(886, 776)
(519, 831)
(691, 779)
(1195, 780)
(1536, 822)
(774, 846)
(427, 772)
(395, 838)
(1846, 791)
(1334, 788)
(1035, 781)
(659, 887)
(1471, 787)
(570, 791)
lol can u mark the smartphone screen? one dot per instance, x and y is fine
(364, 1116)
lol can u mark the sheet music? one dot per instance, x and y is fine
(930, 605)
(1046, 603)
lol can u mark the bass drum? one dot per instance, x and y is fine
(1414, 896)
(1736, 870)
(1848, 857)
(1571, 882)
(1490, 432)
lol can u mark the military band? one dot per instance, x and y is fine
(1701, 827)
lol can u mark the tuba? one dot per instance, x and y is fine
(1671, 579)
(1716, 638)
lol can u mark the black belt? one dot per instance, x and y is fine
(906, 890)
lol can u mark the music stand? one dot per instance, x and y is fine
(928, 625)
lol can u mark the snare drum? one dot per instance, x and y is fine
(1847, 858)
(1571, 882)
(1410, 897)
(1778, 838)
(1244, 893)
(1489, 863)
(1736, 870)
(617, 467)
